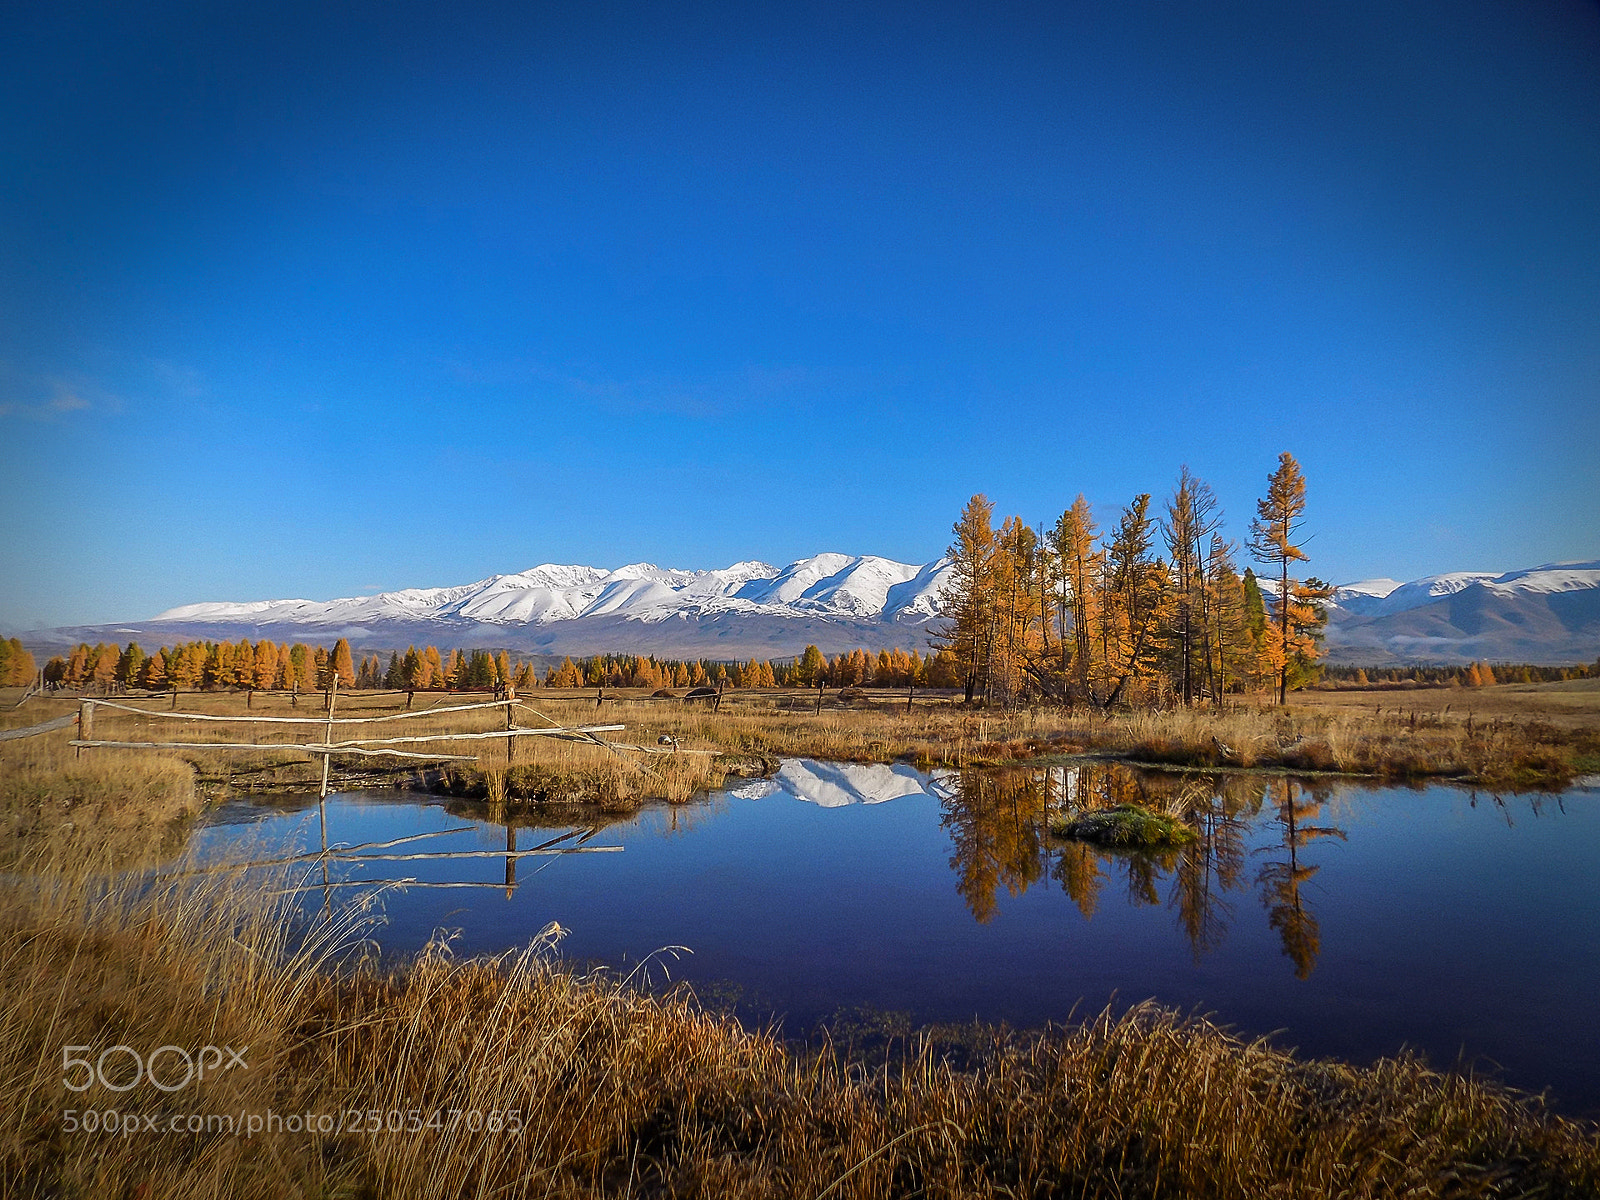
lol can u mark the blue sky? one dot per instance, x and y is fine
(308, 303)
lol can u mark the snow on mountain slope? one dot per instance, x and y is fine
(1547, 613)
(829, 586)
(1552, 577)
(1386, 597)
(835, 785)
(1368, 601)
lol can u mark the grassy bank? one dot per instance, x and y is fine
(1383, 739)
(618, 1093)
(1509, 737)
(135, 806)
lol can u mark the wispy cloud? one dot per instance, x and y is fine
(62, 398)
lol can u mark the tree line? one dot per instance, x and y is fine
(1478, 674)
(17, 667)
(1153, 610)
(812, 668)
(269, 666)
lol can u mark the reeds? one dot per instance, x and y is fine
(618, 1093)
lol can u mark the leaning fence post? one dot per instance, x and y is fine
(85, 724)
(327, 738)
(511, 723)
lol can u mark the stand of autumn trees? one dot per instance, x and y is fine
(1151, 611)
(269, 666)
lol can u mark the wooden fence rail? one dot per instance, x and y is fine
(402, 716)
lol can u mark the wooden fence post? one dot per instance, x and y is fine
(910, 692)
(327, 738)
(85, 724)
(511, 723)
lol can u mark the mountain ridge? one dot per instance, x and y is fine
(1549, 613)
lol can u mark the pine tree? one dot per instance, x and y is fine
(268, 668)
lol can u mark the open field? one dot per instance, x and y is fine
(585, 1088)
(1573, 704)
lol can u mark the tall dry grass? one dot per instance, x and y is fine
(622, 1094)
(135, 805)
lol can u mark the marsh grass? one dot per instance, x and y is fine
(627, 1094)
(133, 805)
(1125, 827)
(1504, 752)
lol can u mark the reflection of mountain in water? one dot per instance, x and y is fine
(834, 785)
(999, 826)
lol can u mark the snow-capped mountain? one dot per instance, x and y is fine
(835, 587)
(751, 609)
(1547, 614)
(838, 602)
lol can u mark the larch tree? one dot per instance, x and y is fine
(968, 604)
(342, 664)
(1135, 591)
(1072, 541)
(1192, 517)
(1274, 534)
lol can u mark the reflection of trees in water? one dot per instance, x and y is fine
(1213, 864)
(998, 823)
(1287, 912)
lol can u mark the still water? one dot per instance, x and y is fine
(1350, 921)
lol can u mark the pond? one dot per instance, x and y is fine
(1347, 920)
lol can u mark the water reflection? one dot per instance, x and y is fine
(998, 822)
(1294, 805)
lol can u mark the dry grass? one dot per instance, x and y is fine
(1408, 744)
(1498, 737)
(1495, 753)
(621, 1094)
(133, 805)
(1571, 705)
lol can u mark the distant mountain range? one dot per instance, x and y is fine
(1548, 614)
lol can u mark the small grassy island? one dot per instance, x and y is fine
(1125, 827)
